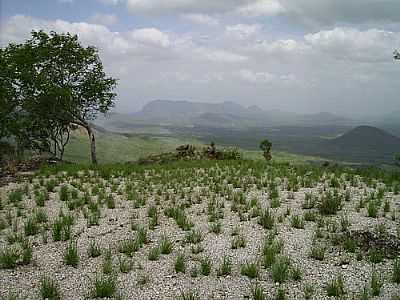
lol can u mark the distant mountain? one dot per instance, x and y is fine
(227, 114)
(364, 144)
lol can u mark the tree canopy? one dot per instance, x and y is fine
(49, 84)
(266, 146)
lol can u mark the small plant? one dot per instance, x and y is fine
(250, 270)
(205, 266)
(297, 222)
(225, 268)
(270, 250)
(308, 291)
(281, 294)
(266, 219)
(372, 209)
(31, 227)
(189, 296)
(154, 254)
(166, 245)
(9, 257)
(238, 242)
(335, 288)
(194, 237)
(280, 269)
(107, 266)
(257, 293)
(180, 264)
(49, 289)
(71, 256)
(129, 247)
(94, 249)
(318, 251)
(104, 286)
(375, 256)
(396, 270)
(376, 284)
(125, 264)
(216, 227)
(330, 203)
(296, 273)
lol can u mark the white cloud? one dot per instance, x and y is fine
(111, 2)
(103, 19)
(151, 36)
(201, 19)
(353, 44)
(242, 31)
(256, 77)
(261, 8)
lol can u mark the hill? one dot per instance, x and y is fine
(364, 143)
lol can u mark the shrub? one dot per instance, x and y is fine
(330, 204)
(71, 256)
(335, 288)
(225, 268)
(94, 249)
(396, 270)
(129, 247)
(205, 266)
(154, 254)
(189, 296)
(297, 222)
(166, 245)
(104, 286)
(266, 219)
(194, 237)
(280, 269)
(258, 293)
(238, 242)
(180, 264)
(376, 284)
(49, 289)
(318, 251)
(250, 270)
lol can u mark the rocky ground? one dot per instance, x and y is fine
(208, 214)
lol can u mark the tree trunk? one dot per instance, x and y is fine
(92, 141)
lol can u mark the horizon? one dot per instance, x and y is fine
(301, 56)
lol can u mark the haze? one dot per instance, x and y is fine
(302, 56)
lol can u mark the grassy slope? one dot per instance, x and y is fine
(113, 148)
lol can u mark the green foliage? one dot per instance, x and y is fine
(225, 268)
(257, 293)
(180, 264)
(166, 245)
(396, 270)
(49, 289)
(266, 146)
(280, 269)
(71, 256)
(31, 114)
(336, 288)
(205, 266)
(104, 286)
(250, 270)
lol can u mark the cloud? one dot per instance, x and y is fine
(261, 8)
(241, 62)
(201, 19)
(351, 44)
(244, 7)
(151, 36)
(103, 19)
(329, 12)
(242, 31)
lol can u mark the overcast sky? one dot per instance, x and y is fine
(292, 55)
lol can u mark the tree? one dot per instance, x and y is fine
(266, 146)
(58, 83)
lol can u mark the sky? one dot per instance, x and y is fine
(303, 56)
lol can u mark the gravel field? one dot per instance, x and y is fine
(207, 214)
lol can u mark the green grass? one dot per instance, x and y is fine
(113, 148)
(49, 289)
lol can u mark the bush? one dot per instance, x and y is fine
(49, 289)
(280, 269)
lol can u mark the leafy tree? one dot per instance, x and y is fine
(266, 146)
(57, 83)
